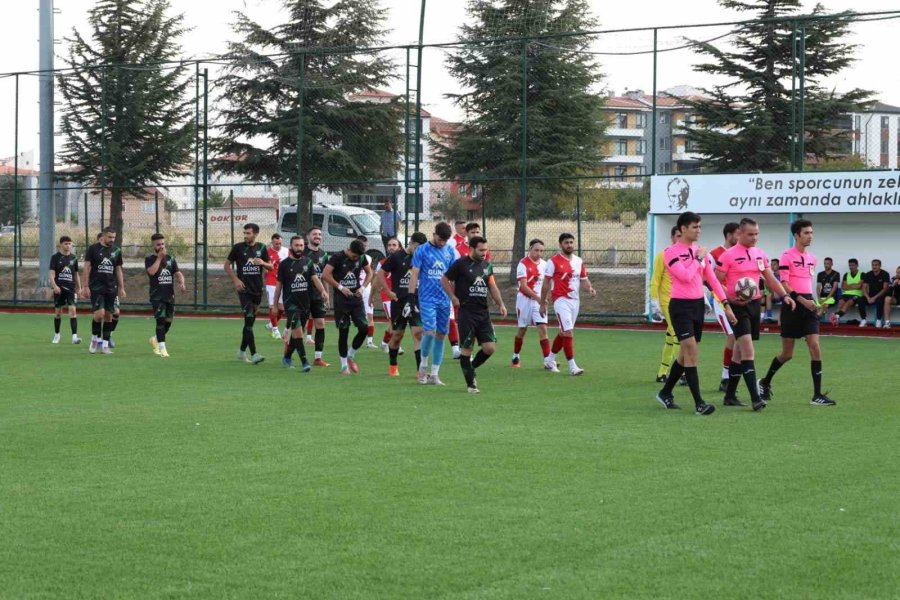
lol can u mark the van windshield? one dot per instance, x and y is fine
(367, 223)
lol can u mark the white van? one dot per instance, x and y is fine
(340, 224)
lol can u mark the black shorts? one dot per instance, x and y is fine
(353, 313)
(107, 301)
(474, 326)
(854, 300)
(249, 303)
(687, 317)
(296, 317)
(317, 308)
(164, 310)
(747, 319)
(403, 313)
(64, 298)
(799, 322)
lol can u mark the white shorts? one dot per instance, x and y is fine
(566, 313)
(720, 316)
(528, 312)
(367, 291)
(270, 292)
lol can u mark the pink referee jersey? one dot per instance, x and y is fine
(688, 273)
(738, 262)
(798, 270)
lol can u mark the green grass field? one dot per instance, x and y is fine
(130, 476)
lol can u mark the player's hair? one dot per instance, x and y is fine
(687, 218)
(418, 237)
(674, 231)
(472, 225)
(459, 223)
(276, 236)
(476, 240)
(747, 221)
(565, 236)
(853, 261)
(730, 228)
(99, 235)
(394, 237)
(252, 227)
(356, 247)
(827, 258)
(799, 225)
(108, 230)
(296, 237)
(877, 260)
(775, 260)
(313, 228)
(532, 243)
(64, 239)
(157, 236)
(442, 230)
(362, 238)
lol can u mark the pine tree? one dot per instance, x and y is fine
(564, 124)
(747, 122)
(126, 120)
(345, 138)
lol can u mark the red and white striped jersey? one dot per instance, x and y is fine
(532, 273)
(566, 275)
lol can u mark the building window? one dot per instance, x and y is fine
(462, 189)
(665, 168)
(663, 118)
(622, 120)
(641, 147)
(641, 170)
(621, 147)
(885, 122)
(641, 120)
(663, 143)
(857, 123)
(690, 145)
(148, 207)
(621, 172)
(885, 146)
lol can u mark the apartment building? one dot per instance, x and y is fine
(875, 136)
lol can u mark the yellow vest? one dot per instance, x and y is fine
(849, 278)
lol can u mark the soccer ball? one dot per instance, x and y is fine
(746, 288)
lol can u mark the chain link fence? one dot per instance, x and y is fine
(516, 154)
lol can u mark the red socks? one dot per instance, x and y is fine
(273, 318)
(568, 345)
(371, 332)
(726, 357)
(309, 327)
(557, 343)
(517, 344)
(453, 336)
(545, 347)
(386, 337)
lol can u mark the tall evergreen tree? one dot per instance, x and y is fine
(563, 121)
(345, 138)
(748, 122)
(126, 119)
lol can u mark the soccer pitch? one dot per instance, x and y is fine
(130, 476)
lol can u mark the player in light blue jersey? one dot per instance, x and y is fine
(430, 262)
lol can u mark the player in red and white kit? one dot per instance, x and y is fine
(277, 253)
(381, 287)
(730, 232)
(564, 275)
(530, 277)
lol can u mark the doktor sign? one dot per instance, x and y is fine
(838, 192)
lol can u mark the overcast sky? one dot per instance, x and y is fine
(210, 20)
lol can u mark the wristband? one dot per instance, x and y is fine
(725, 302)
(794, 295)
(340, 288)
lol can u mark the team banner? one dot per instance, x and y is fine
(838, 192)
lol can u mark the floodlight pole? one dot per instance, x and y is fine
(45, 180)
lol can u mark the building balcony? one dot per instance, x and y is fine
(618, 132)
(624, 159)
(681, 155)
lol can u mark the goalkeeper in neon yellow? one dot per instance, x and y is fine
(660, 289)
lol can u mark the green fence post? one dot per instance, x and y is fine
(801, 129)
(103, 148)
(205, 184)
(231, 219)
(301, 134)
(196, 174)
(17, 227)
(578, 214)
(156, 207)
(653, 113)
(793, 95)
(523, 177)
(87, 235)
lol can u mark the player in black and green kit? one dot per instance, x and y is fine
(342, 272)
(65, 281)
(106, 282)
(318, 302)
(296, 275)
(252, 261)
(163, 271)
(403, 309)
(468, 282)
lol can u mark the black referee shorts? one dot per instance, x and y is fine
(687, 317)
(799, 322)
(747, 319)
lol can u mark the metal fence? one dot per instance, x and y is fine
(513, 182)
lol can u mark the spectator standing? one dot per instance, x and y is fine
(390, 222)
